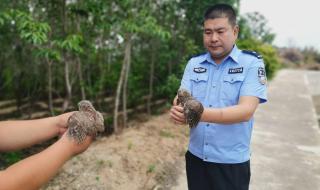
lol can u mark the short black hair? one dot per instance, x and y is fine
(221, 11)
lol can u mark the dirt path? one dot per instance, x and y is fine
(145, 156)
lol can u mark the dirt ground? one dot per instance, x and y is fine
(145, 156)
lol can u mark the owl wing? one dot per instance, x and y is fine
(193, 110)
(99, 123)
(76, 127)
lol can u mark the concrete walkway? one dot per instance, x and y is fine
(286, 137)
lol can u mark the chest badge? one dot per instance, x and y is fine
(199, 70)
(235, 70)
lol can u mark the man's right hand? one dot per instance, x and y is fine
(73, 146)
(176, 114)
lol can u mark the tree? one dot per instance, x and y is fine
(30, 31)
(71, 45)
(311, 55)
(50, 55)
(128, 52)
(134, 23)
(255, 25)
(294, 55)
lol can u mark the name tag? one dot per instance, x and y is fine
(235, 70)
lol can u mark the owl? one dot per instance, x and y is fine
(192, 108)
(183, 96)
(86, 121)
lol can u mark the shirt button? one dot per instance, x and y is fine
(207, 144)
(210, 106)
(213, 86)
(208, 124)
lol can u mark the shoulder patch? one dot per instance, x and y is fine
(254, 53)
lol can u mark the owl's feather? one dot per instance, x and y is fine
(86, 121)
(192, 108)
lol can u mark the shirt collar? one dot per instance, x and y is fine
(234, 55)
(209, 59)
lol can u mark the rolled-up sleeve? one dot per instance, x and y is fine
(255, 82)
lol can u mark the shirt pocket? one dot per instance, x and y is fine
(230, 89)
(199, 85)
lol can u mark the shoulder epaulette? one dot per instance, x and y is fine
(254, 53)
(196, 55)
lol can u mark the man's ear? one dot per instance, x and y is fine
(236, 30)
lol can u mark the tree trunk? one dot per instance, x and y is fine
(81, 81)
(66, 63)
(50, 86)
(151, 76)
(99, 94)
(125, 85)
(18, 92)
(118, 93)
(68, 86)
(120, 83)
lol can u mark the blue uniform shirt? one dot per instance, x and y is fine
(241, 73)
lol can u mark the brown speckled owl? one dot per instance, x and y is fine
(192, 108)
(86, 121)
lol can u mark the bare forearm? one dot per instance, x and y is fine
(234, 114)
(16, 135)
(36, 170)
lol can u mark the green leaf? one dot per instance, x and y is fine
(72, 43)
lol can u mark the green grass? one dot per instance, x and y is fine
(130, 145)
(100, 163)
(151, 168)
(166, 134)
(110, 163)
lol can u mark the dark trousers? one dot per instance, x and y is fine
(203, 175)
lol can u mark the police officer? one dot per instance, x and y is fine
(230, 83)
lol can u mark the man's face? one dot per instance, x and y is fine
(219, 36)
